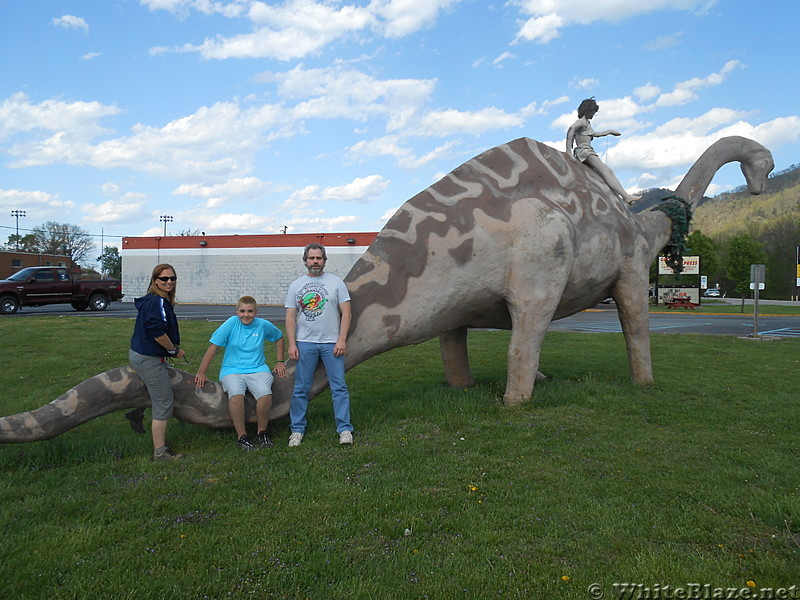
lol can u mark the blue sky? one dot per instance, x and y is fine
(236, 116)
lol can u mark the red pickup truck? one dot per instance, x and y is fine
(35, 286)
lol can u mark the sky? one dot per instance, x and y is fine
(126, 117)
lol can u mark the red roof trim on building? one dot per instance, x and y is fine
(285, 240)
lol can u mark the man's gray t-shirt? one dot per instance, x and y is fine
(317, 302)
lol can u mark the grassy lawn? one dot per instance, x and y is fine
(445, 493)
(718, 306)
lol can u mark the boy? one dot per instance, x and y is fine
(244, 367)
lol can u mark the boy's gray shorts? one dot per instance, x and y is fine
(259, 384)
(153, 372)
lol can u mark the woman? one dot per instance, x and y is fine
(156, 338)
(581, 134)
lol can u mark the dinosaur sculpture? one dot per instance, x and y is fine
(513, 239)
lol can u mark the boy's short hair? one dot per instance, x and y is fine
(247, 300)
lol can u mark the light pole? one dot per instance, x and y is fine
(165, 219)
(17, 214)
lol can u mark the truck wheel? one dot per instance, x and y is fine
(98, 302)
(9, 305)
(80, 305)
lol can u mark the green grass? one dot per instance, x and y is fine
(445, 493)
(718, 306)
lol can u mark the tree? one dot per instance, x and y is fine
(111, 262)
(780, 237)
(63, 238)
(194, 231)
(21, 243)
(706, 248)
(743, 251)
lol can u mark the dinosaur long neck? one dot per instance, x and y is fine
(697, 180)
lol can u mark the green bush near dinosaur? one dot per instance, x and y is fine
(445, 493)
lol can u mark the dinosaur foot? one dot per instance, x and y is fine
(631, 200)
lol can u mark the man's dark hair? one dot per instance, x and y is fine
(314, 246)
(586, 107)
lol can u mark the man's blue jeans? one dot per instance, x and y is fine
(310, 355)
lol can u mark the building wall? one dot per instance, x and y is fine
(213, 274)
(11, 262)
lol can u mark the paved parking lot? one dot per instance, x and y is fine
(601, 319)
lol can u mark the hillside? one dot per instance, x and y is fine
(737, 211)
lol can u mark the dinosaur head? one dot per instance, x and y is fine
(756, 168)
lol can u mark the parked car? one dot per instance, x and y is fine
(36, 286)
(711, 293)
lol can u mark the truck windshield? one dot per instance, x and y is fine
(23, 275)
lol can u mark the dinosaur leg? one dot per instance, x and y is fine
(529, 322)
(453, 345)
(632, 308)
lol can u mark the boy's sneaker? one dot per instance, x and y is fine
(166, 454)
(346, 437)
(295, 439)
(245, 444)
(263, 440)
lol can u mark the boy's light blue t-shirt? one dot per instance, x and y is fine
(244, 345)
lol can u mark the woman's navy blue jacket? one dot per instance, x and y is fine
(155, 318)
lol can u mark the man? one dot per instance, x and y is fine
(317, 319)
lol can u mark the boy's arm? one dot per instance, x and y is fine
(280, 362)
(200, 379)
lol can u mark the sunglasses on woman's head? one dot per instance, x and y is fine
(173, 278)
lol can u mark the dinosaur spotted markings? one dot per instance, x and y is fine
(512, 239)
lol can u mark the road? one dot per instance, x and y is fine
(603, 318)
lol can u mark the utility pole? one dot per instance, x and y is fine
(165, 219)
(17, 214)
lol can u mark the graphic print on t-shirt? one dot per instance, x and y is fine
(313, 297)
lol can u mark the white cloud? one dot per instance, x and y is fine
(399, 18)
(131, 207)
(75, 120)
(684, 91)
(585, 83)
(38, 206)
(498, 62)
(287, 31)
(647, 92)
(71, 22)
(664, 42)
(90, 55)
(338, 92)
(545, 18)
(242, 187)
(541, 29)
(361, 189)
(215, 142)
(298, 28)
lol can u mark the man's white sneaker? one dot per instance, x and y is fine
(346, 437)
(295, 439)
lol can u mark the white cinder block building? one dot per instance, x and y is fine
(219, 269)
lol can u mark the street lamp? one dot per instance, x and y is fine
(17, 214)
(165, 219)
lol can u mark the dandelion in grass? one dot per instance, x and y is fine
(750, 583)
(183, 535)
(473, 488)
(565, 578)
